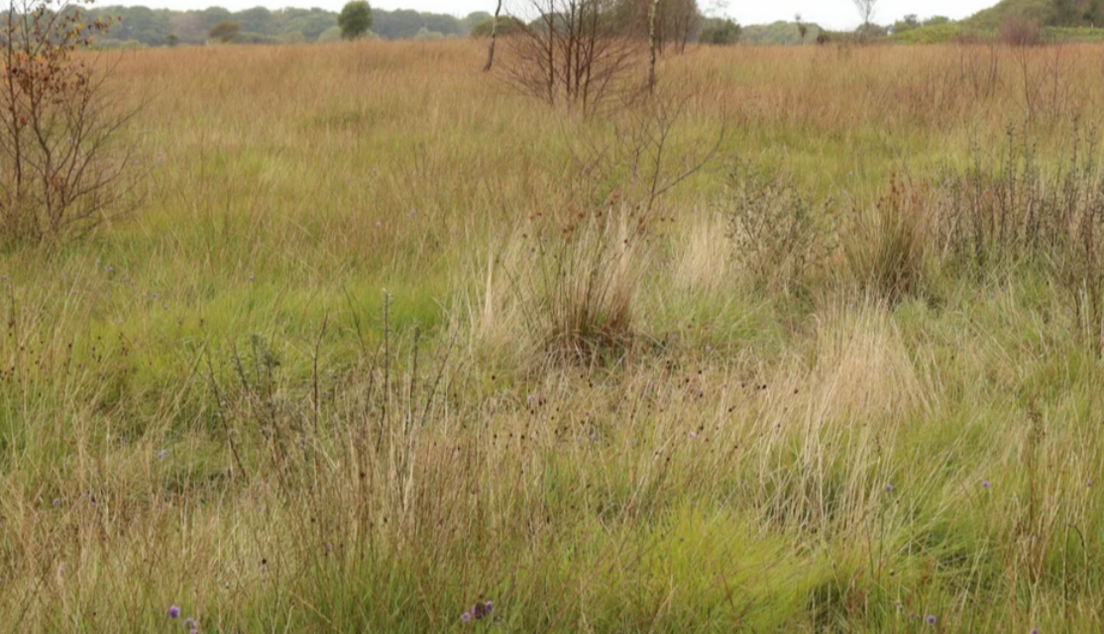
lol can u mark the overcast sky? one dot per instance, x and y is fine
(834, 14)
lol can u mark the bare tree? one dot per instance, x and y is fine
(652, 45)
(572, 53)
(494, 36)
(866, 9)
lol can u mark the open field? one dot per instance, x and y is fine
(385, 338)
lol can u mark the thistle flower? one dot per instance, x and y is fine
(889, 488)
(466, 617)
(174, 612)
(931, 619)
(985, 484)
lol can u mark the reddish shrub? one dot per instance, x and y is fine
(1019, 32)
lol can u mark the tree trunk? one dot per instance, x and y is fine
(652, 44)
(494, 36)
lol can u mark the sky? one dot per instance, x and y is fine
(832, 14)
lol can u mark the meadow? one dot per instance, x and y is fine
(385, 338)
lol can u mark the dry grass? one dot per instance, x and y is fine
(215, 404)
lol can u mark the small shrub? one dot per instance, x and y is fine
(1019, 32)
(778, 234)
(61, 170)
(1003, 213)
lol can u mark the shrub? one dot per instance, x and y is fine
(1001, 214)
(331, 34)
(719, 32)
(778, 235)
(1019, 32)
(506, 26)
(225, 31)
(61, 171)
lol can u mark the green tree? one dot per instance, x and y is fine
(256, 20)
(355, 19)
(907, 23)
(225, 31)
(720, 32)
(398, 25)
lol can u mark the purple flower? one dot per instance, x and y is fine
(1034, 630)
(985, 484)
(489, 605)
(174, 612)
(889, 488)
(466, 617)
(479, 610)
(190, 623)
(164, 453)
(931, 619)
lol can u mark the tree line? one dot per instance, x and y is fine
(141, 25)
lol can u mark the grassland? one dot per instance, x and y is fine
(312, 384)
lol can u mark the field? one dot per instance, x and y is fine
(386, 337)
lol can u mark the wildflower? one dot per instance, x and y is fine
(985, 484)
(931, 619)
(489, 605)
(57, 502)
(479, 610)
(466, 617)
(164, 453)
(174, 612)
(889, 488)
(190, 623)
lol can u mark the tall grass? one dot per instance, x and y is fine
(305, 387)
